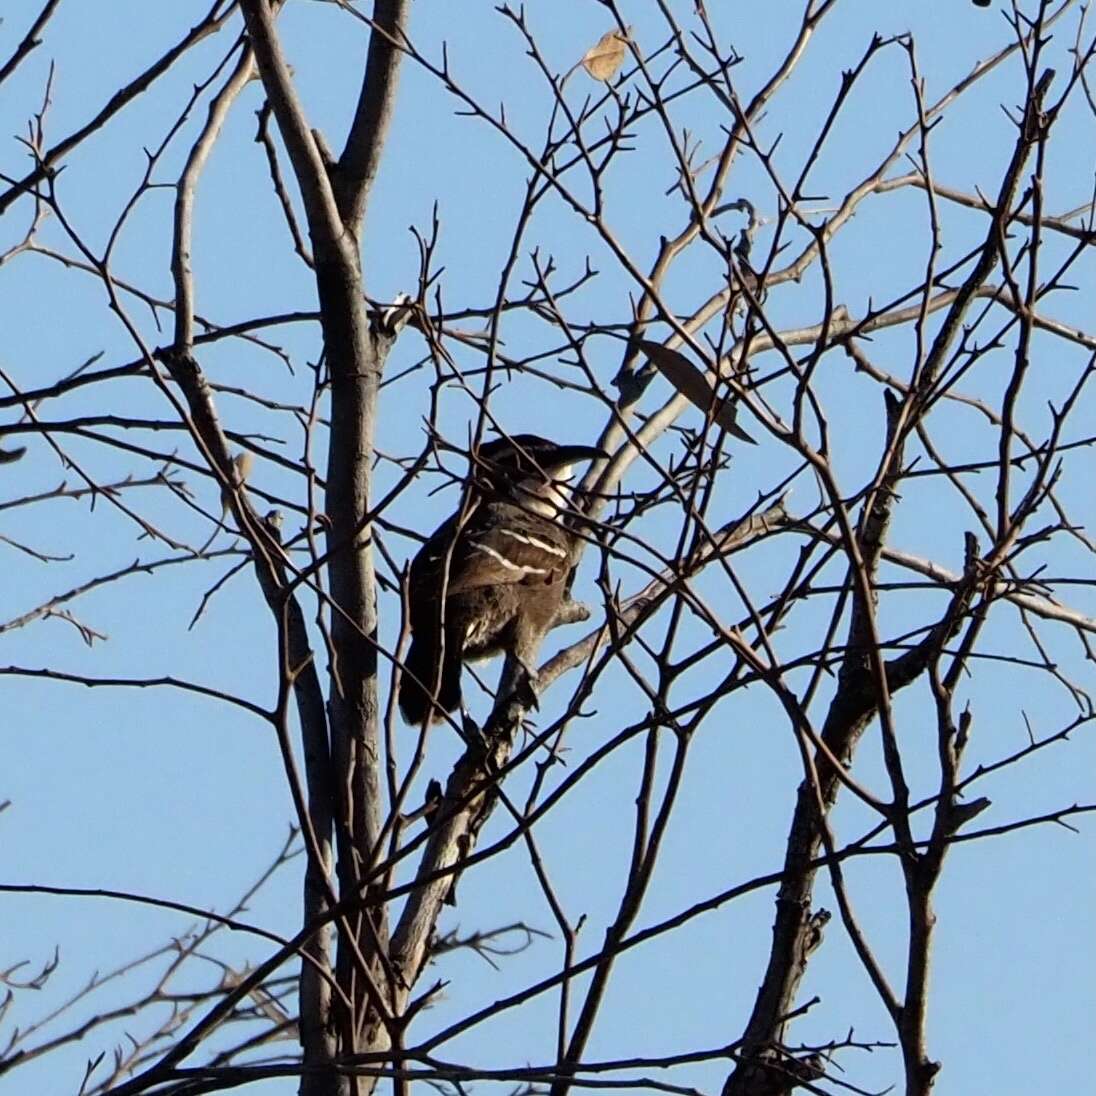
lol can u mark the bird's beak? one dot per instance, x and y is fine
(568, 455)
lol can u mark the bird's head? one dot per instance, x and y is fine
(530, 466)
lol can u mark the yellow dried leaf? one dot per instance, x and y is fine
(603, 60)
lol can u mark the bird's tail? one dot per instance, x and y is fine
(420, 680)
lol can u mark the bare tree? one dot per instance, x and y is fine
(840, 391)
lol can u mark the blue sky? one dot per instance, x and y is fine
(158, 792)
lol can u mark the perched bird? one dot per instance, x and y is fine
(491, 578)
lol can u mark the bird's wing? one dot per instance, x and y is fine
(499, 547)
(509, 552)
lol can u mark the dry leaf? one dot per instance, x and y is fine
(694, 386)
(241, 469)
(242, 464)
(603, 60)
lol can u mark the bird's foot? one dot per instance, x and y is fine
(472, 733)
(525, 693)
(526, 683)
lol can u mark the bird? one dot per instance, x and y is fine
(492, 576)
